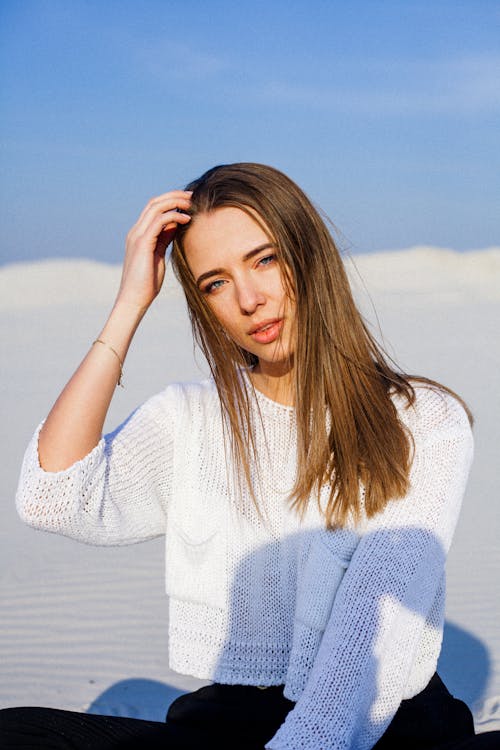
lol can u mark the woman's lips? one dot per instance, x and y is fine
(268, 333)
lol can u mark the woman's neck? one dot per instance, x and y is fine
(277, 385)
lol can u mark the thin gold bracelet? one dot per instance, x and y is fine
(100, 341)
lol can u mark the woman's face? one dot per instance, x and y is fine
(233, 261)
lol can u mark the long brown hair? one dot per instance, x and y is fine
(348, 430)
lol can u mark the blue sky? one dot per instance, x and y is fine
(386, 113)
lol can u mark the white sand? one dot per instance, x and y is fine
(85, 628)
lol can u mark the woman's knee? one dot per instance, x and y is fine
(21, 719)
(17, 713)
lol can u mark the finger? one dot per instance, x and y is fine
(158, 210)
(166, 221)
(165, 200)
(168, 232)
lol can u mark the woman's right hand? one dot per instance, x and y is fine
(144, 265)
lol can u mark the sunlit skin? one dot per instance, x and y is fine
(234, 263)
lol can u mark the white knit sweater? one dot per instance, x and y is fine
(349, 621)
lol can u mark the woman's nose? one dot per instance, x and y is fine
(249, 297)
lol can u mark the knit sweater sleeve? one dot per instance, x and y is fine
(362, 667)
(114, 495)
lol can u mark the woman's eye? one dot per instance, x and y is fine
(213, 286)
(267, 260)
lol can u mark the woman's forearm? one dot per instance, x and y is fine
(74, 425)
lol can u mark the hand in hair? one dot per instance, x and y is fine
(144, 264)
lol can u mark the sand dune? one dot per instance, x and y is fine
(86, 628)
(419, 269)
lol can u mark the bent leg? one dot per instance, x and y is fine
(55, 729)
(435, 720)
(486, 741)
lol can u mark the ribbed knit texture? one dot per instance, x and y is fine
(350, 621)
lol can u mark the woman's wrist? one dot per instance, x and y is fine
(121, 326)
(128, 312)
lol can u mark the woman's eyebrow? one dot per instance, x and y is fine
(247, 256)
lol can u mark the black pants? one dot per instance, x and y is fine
(236, 716)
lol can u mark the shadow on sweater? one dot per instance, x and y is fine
(464, 665)
(375, 596)
(401, 566)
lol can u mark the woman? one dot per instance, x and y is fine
(308, 491)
